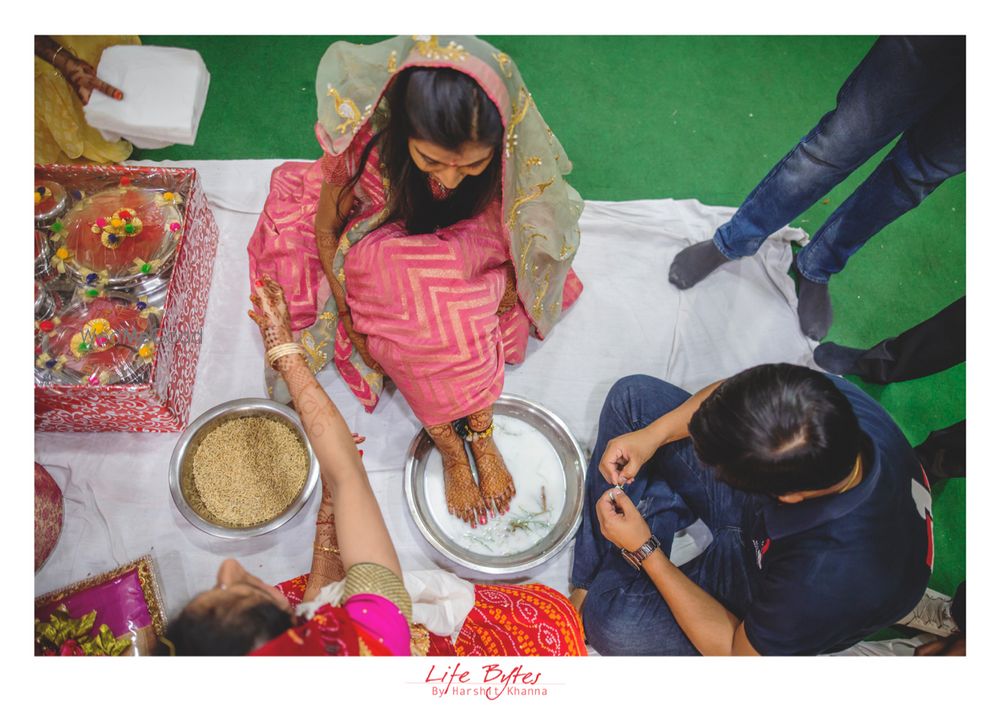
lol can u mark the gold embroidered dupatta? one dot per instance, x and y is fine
(540, 209)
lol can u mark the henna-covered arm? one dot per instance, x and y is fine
(360, 529)
(326, 564)
(80, 75)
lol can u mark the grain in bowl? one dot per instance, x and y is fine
(246, 471)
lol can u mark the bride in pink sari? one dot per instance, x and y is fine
(433, 236)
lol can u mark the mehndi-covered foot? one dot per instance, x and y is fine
(495, 482)
(460, 491)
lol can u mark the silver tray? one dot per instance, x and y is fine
(133, 373)
(182, 461)
(574, 464)
(138, 283)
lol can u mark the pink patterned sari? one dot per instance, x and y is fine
(428, 303)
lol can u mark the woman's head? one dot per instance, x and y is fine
(442, 126)
(238, 615)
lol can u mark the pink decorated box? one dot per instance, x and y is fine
(154, 395)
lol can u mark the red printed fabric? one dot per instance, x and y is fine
(507, 620)
(521, 620)
(332, 631)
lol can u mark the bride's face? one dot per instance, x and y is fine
(449, 167)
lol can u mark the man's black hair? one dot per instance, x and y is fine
(777, 429)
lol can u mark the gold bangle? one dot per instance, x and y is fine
(55, 54)
(326, 549)
(279, 351)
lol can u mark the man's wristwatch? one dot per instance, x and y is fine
(636, 557)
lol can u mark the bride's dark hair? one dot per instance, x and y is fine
(448, 108)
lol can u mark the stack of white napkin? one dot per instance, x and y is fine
(165, 90)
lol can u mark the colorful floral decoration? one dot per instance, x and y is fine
(146, 351)
(93, 282)
(168, 198)
(41, 193)
(62, 635)
(118, 226)
(59, 259)
(48, 326)
(91, 278)
(145, 310)
(174, 226)
(144, 267)
(95, 336)
(99, 378)
(47, 362)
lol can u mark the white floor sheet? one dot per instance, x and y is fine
(628, 320)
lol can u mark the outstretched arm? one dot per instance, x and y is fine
(361, 530)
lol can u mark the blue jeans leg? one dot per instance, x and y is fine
(899, 81)
(623, 612)
(927, 154)
(632, 403)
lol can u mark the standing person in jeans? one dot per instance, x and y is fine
(819, 512)
(908, 86)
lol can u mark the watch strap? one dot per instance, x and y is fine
(636, 557)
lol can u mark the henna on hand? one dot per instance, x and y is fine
(273, 319)
(82, 77)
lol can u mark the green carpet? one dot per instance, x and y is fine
(664, 117)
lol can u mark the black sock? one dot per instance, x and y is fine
(694, 263)
(815, 309)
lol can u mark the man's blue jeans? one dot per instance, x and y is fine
(623, 613)
(914, 86)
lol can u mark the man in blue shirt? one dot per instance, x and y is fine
(818, 507)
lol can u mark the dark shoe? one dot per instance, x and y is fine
(943, 453)
(838, 359)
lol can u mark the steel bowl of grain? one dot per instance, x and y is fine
(243, 469)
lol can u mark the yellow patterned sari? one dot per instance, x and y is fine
(62, 135)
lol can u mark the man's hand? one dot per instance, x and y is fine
(625, 455)
(621, 523)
